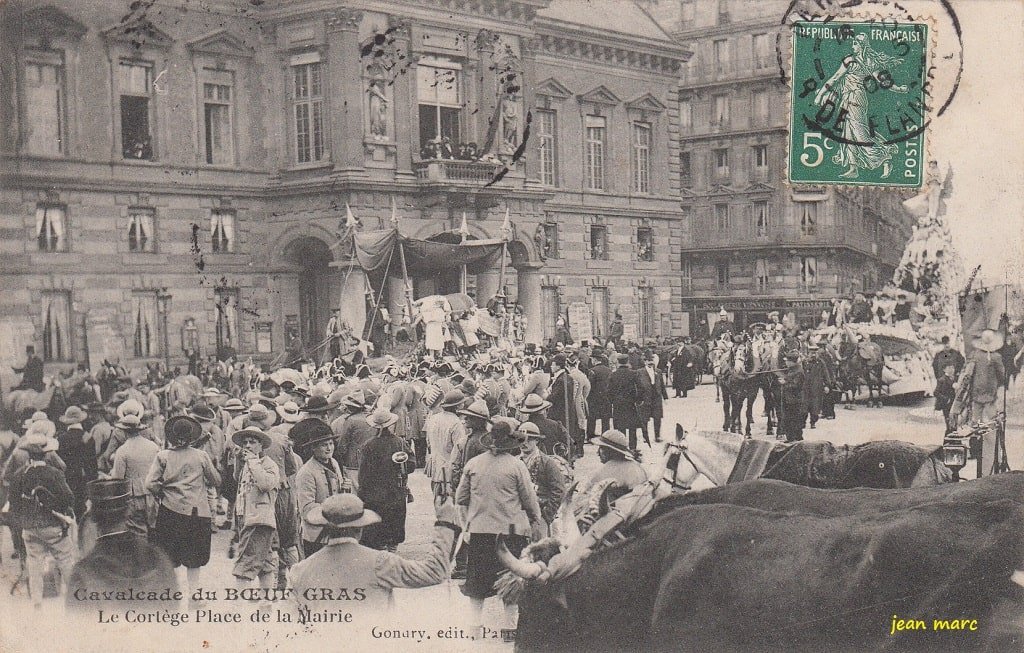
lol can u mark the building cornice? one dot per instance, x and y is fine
(701, 32)
(562, 39)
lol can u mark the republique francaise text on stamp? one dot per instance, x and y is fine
(859, 103)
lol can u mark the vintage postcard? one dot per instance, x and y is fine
(511, 325)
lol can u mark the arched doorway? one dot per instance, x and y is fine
(317, 292)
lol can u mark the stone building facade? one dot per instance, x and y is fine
(175, 178)
(754, 243)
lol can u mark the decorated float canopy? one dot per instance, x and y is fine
(380, 252)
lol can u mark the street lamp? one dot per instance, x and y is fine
(163, 299)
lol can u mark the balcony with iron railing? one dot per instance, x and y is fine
(733, 69)
(705, 236)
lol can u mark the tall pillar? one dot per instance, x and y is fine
(486, 286)
(529, 300)
(344, 71)
(406, 131)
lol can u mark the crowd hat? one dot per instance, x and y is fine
(73, 415)
(432, 396)
(382, 418)
(41, 426)
(129, 423)
(478, 409)
(533, 404)
(289, 412)
(261, 415)
(251, 432)
(453, 399)
(108, 495)
(317, 405)
(355, 400)
(623, 359)
(989, 341)
(342, 511)
(616, 441)
(211, 392)
(310, 431)
(37, 442)
(511, 421)
(233, 405)
(202, 413)
(130, 407)
(500, 438)
(529, 430)
(182, 430)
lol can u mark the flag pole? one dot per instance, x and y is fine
(463, 275)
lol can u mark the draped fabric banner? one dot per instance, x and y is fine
(374, 249)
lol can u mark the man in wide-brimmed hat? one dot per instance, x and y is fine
(344, 562)
(77, 453)
(43, 505)
(319, 478)
(132, 462)
(986, 373)
(547, 476)
(355, 433)
(556, 438)
(258, 484)
(476, 418)
(619, 462)
(383, 475)
(128, 423)
(121, 560)
(499, 498)
(443, 430)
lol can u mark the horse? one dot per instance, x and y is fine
(767, 358)
(743, 383)
(18, 402)
(722, 457)
(862, 363)
(719, 362)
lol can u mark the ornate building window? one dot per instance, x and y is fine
(645, 296)
(722, 221)
(645, 244)
(45, 99)
(550, 243)
(146, 331)
(56, 326)
(685, 115)
(51, 229)
(308, 108)
(762, 218)
(720, 52)
(135, 84)
(598, 242)
(641, 157)
(593, 160)
(685, 169)
(222, 231)
(808, 273)
(762, 281)
(600, 308)
(547, 146)
(808, 218)
(760, 160)
(141, 233)
(438, 89)
(721, 160)
(218, 119)
(720, 111)
(762, 51)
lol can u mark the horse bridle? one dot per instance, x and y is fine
(673, 465)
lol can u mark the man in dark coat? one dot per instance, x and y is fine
(556, 438)
(794, 406)
(652, 393)
(616, 329)
(818, 383)
(947, 356)
(681, 366)
(623, 395)
(945, 393)
(382, 482)
(121, 560)
(597, 401)
(79, 456)
(561, 396)
(32, 373)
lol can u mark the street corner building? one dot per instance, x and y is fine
(184, 179)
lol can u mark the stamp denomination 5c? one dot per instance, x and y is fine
(859, 103)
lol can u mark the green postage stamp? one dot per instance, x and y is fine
(859, 103)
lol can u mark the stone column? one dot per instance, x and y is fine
(403, 95)
(487, 91)
(529, 300)
(486, 286)
(345, 85)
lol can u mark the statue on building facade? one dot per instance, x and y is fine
(378, 101)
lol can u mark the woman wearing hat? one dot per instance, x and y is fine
(499, 499)
(319, 477)
(258, 484)
(180, 479)
(382, 482)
